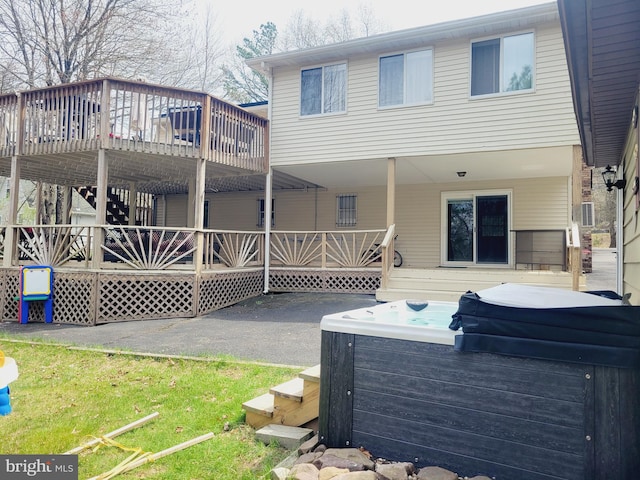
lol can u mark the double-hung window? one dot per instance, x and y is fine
(504, 64)
(323, 90)
(406, 79)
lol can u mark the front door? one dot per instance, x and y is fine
(477, 228)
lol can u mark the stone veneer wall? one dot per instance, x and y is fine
(586, 242)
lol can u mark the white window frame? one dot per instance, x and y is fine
(588, 214)
(501, 89)
(471, 195)
(322, 90)
(346, 218)
(404, 102)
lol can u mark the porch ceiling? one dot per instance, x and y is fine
(602, 40)
(151, 173)
(479, 166)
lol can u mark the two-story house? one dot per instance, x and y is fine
(461, 135)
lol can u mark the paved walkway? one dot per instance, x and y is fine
(275, 328)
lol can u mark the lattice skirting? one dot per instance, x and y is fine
(129, 296)
(89, 298)
(218, 290)
(338, 281)
(74, 298)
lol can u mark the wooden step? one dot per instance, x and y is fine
(311, 374)
(291, 390)
(259, 410)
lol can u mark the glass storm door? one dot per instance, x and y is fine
(477, 229)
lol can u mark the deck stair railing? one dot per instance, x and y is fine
(118, 205)
(574, 255)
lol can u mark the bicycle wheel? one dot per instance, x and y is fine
(397, 258)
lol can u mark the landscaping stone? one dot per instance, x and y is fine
(436, 473)
(309, 445)
(322, 463)
(395, 471)
(330, 473)
(352, 454)
(303, 471)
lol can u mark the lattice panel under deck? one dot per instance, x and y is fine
(339, 281)
(218, 290)
(11, 284)
(73, 298)
(142, 297)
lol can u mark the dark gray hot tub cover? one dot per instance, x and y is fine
(549, 323)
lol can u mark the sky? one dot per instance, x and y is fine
(238, 19)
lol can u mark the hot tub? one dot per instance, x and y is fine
(393, 383)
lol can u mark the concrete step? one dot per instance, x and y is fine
(286, 436)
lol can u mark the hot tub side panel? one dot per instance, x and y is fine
(336, 386)
(479, 413)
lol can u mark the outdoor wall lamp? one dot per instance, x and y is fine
(609, 177)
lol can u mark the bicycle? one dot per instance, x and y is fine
(375, 254)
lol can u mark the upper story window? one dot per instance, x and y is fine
(502, 64)
(406, 79)
(323, 90)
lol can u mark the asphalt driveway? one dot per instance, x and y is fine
(275, 328)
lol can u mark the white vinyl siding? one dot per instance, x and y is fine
(630, 240)
(544, 118)
(537, 204)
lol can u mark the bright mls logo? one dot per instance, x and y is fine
(39, 467)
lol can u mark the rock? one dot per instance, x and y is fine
(436, 473)
(329, 460)
(309, 445)
(330, 472)
(353, 454)
(394, 471)
(364, 475)
(303, 471)
(308, 457)
(279, 473)
(320, 448)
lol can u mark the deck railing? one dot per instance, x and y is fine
(333, 249)
(131, 116)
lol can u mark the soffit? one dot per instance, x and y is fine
(602, 39)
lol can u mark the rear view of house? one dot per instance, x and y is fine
(459, 136)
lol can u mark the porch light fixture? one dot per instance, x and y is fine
(609, 177)
(461, 174)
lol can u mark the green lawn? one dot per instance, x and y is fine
(64, 398)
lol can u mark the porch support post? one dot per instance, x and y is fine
(268, 195)
(133, 203)
(391, 191)
(66, 205)
(38, 203)
(102, 184)
(196, 194)
(14, 194)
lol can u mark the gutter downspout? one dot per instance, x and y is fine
(268, 194)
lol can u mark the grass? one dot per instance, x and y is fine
(64, 398)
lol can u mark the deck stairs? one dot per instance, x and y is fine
(293, 403)
(449, 284)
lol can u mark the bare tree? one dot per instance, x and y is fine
(46, 42)
(304, 31)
